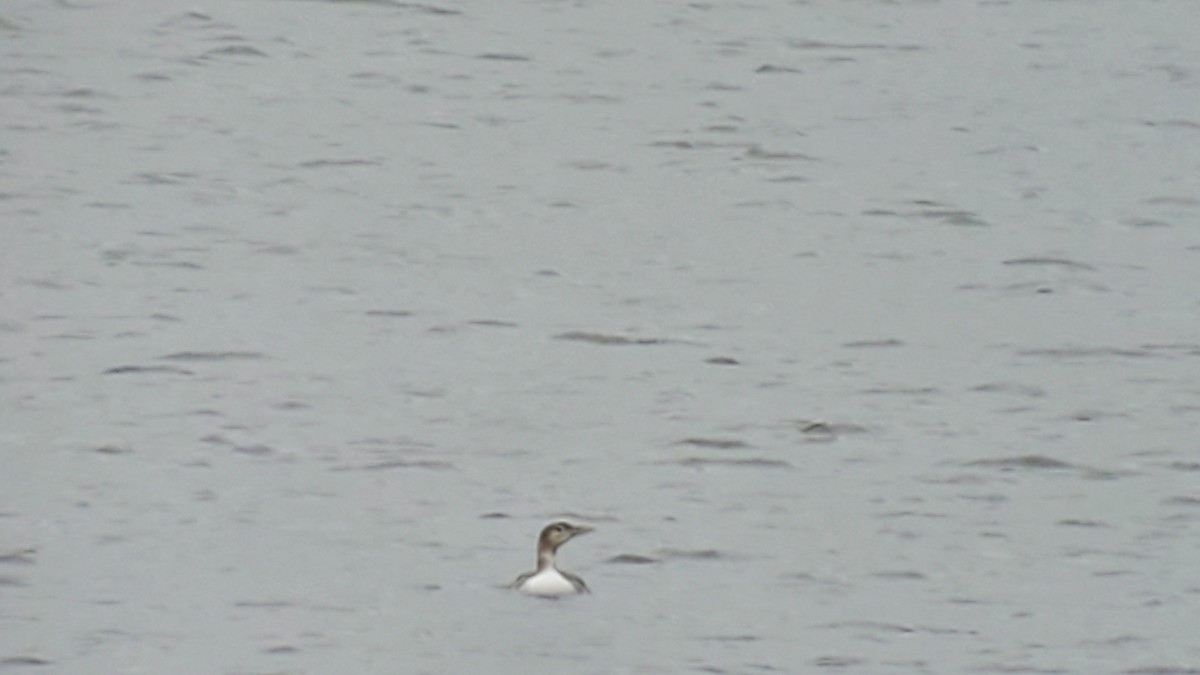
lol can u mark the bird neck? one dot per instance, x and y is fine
(545, 558)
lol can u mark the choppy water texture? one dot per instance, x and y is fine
(866, 333)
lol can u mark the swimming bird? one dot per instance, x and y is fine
(548, 580)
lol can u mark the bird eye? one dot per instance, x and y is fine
(558, 528)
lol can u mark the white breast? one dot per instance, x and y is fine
(548, 582)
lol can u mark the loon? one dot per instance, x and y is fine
(548, 580)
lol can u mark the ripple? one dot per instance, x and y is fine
(755, 462)
(126, 370)
(432, 464)
(1049, 262)
(15, 661)
(632, 559)
(692, 554)
(23, 556)
(1023, 462)
(212, 356)
(607, 338)
(718, 443)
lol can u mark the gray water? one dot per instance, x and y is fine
(867, 334)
